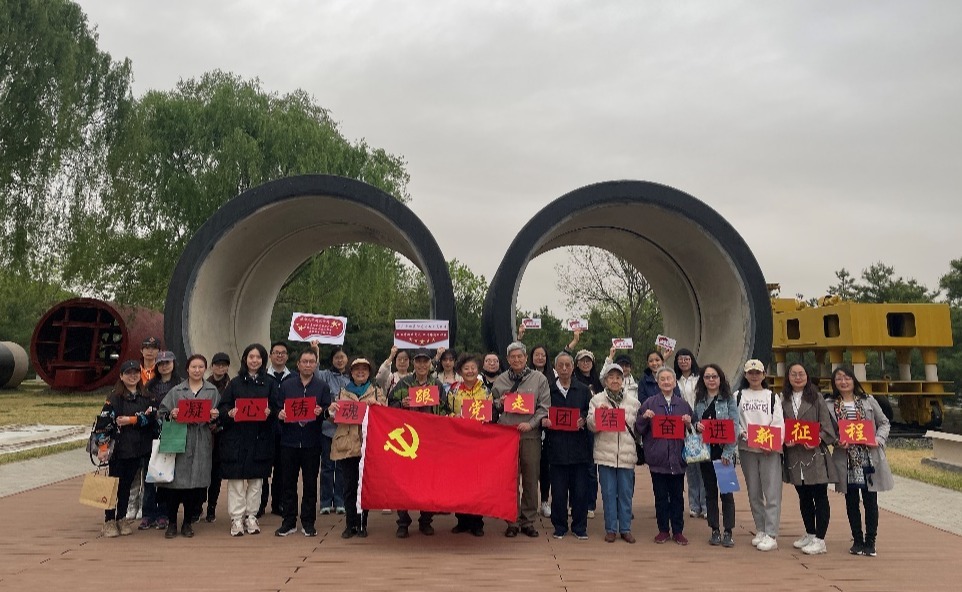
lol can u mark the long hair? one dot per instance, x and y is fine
(120, 388)
(744, 383)
(262, 351)
(648, 355)
(695, 371)
(847, 371)
(810, 393)
(547, 361)
(724, 389)
(174, 377)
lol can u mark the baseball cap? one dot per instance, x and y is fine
(150, 342)
(754, 365)
(584, 353)
(129, 365)
(220, 358)
(609, 368)
(165, 356)
(422, 353)
(359, 361)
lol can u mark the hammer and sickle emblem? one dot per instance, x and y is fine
(407, 449)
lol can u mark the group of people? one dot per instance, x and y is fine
(264, 459)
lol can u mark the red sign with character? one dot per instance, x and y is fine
(519, 403)
(477, 409)
(764, 437)
(564, 418)
(856, 432)
(802, 432)
(669, 427)
(423, 396)
(251, 409)
(193, 410)
(718, 431)
(609, 420)
(350, 412)
(299, 409)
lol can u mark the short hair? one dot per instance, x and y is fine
(564, 353)
(307, 351)
(665, 370)
(465, 358)
(281, 343)
(514, 345)
(196, 357)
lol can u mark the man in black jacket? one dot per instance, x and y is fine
(569, 451)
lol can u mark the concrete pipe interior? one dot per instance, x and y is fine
(226, 282)
(707, 282)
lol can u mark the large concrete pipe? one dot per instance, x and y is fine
(13, 364)
(225, 284)
(708, 284)
(79, 344)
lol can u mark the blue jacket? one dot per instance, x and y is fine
(304, 434)
(723, 410)
(661, 454)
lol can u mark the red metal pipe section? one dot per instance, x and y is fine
(79, 344)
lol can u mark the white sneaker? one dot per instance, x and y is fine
(767, 544)
(591, 513)
(816, 547)
(252, 526)
(545, 509)
(757, 538)
(692, 513)
(804, 541)
(237, 528)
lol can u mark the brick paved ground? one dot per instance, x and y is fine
(48, 542)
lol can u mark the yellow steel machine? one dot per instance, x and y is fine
(837, 327)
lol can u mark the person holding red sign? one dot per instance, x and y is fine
(665, 456)
(247, 447)
(521, 379)
(163, 378)
(862, 470)
(809, 467)
(569, 453)
(470, 388)
(346, 447)
(714, 401)
(192, 468)
(301, 445)
(614, 454)
(403, 396)
(757, 406)
(687, 371)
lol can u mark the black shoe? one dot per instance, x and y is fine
(210, 515)
(478, 532)
(362, 533)
(195, 518)
(349, 532)
(260, 513)
(426, 529)
(530, 531)
(285, 530)
(459, 528)
(511, 532)
(715, 539)
(402, 532)
(309, 530)
(171, 531)
(869, 549)
(858, 547)
(187, 530)
(727, 540)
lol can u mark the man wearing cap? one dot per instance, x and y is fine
(401, 397)
(148, 352)
(521, 379)
(218, 377)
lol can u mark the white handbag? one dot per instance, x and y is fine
(160, 468)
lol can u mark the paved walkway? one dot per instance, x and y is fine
(48, 540)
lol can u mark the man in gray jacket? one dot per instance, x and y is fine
(519, 379)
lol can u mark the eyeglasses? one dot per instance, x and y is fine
(798, 375)
(711, 377)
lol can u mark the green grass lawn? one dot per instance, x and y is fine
(908, 463)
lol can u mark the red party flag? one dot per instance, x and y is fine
(299, 409)
(669, 427)
(251, 409)
(856, 432)
(564, 418)
(350, 412)
(802, 432)
(609, 420)
(519, 403)
(423, 396)
(193, 410)
(477, 409)
(420, 461)
(718, 431)
(764, 437)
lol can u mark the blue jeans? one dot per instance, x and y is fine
(332, 478)
(696, 489)
(617, 489)
(152, 510)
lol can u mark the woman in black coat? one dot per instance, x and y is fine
(246, 446)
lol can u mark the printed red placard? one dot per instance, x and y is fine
(299, 409)
(856, 432)
(564, 418)
(193, 410)
(423, 396)
(718, 431)
(350, 412)
(477, 409)
(669, 427)
(764, 437)
(519, 403)
(251, 409)
(802, 432)
(609, 420)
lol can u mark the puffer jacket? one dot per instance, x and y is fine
(614, 449)
(347, 437)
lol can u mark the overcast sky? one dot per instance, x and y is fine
(827, 133)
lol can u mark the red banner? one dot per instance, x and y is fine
(299, 409)
(477, 409)
(669, 427)
(193, 410)
(856, 432)
(564, 418)
(718, 431)
(350, 412)
(251, 409)
(764, 437)
(419, 461)
(423, 396)
(802, 432)
(519, 403)
(609, 420)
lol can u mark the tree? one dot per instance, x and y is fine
(596, 280)
(61, 103)
(952, 283)
(182, 154)
(879, 284)
(469, 293)
(845, 288)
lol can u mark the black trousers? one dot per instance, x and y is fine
(172, 499)
(813, 503)
(545, 474)
(470, 521)
(125, 469)
(274, 485)
(711, 499)
(669, 493)
(352, 477)
(304, 463)
(569, 484)
(870, 501)
(213, 491)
